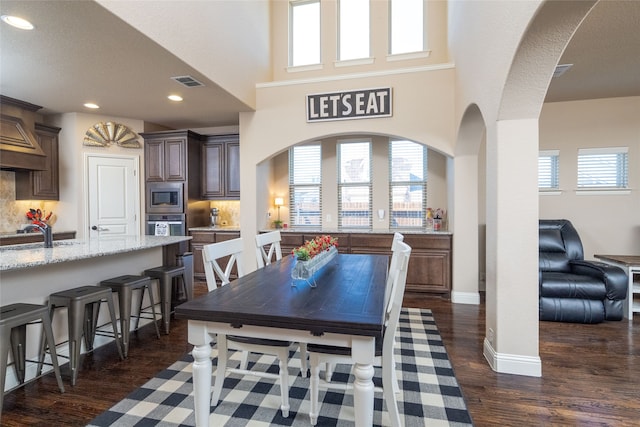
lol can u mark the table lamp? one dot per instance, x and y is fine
(279, 201)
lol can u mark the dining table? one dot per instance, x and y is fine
(345, 308)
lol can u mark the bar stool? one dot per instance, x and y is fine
(124, 286)
(14, 319)
(83, 306)
(166, 275)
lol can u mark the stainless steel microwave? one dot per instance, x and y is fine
(165, 197)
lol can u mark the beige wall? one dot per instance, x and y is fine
(71, 209)
(609, 222)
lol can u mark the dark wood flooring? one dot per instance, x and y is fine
(591, 374)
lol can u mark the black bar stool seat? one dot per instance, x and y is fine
(83, 304)
(124, 286)
(165, 275)
(14, 319)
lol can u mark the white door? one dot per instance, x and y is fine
(113, 195)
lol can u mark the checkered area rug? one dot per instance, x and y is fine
(429, 396)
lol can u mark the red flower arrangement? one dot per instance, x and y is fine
(313, 247)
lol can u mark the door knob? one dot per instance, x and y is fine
(96, 228)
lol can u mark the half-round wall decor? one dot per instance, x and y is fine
(104, 134)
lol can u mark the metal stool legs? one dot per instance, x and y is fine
(83, 307)
(14, 319)
(124, 286)
(165, 277)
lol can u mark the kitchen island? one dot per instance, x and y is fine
(30, 273)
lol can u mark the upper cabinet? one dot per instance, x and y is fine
(165, 155)
(221, 167)
(41, 185)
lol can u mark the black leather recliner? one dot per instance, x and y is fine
(572, 289)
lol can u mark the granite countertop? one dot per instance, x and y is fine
(13, 257)
(355, 230)
(216, 228)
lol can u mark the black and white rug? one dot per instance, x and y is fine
(429, 396)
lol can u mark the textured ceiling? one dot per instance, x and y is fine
(81, 52)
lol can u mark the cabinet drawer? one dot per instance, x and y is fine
(372, 241)
(203, 236)
(223, 236)
(440, 242)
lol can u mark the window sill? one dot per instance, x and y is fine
(300, 68)
(352, 62)
(603, 192)
(406, 56)
(554, 192)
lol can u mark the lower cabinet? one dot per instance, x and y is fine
(429, 265)
(201, 238)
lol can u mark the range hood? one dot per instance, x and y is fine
(19, 148)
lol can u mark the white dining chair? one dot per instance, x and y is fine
(266, 257)
(214, 254)
(384, 356)
(395, 250)
(272, 240)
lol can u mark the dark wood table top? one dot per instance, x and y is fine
(627, 260)
(348, 299)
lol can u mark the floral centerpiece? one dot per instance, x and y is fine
(312, 256)
(311, 248)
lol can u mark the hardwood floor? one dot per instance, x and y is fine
(590, 374)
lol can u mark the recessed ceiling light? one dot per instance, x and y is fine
(17, 22)
(176, 98)
(91, 105)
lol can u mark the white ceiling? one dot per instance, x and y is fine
(81, 52)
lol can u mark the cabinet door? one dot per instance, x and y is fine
(175, 160)
(232, 187)
(212, 167)
(429, 272)
(42, 185)
(154, 160)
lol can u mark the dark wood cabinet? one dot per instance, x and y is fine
(221, 167)
(429, 266)
(165, 157)
(202, 238)
(42, 185)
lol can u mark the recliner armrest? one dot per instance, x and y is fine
(614, 278)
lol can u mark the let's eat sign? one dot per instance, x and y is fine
(354, 104)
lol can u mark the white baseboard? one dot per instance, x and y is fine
(465, 298)
(512, 363)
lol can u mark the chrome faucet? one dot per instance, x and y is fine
(45, 230)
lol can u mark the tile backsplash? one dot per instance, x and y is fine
(228, 212)
(13, 215)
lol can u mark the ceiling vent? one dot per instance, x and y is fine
(187, 81)
(561, 69)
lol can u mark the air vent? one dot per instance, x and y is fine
(187, 81)
(561, 69)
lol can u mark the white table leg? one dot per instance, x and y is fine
(201, 371)
(362, 351)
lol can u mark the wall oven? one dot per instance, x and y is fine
(165, 197)
(176, 224)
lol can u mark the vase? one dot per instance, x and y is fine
(305, 270)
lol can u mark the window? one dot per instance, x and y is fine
(407, 184)
(305, 184)
(353, 17)
(304, 32)
(354, 184)
(548, 170)
(602, 168)
(407, 26)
